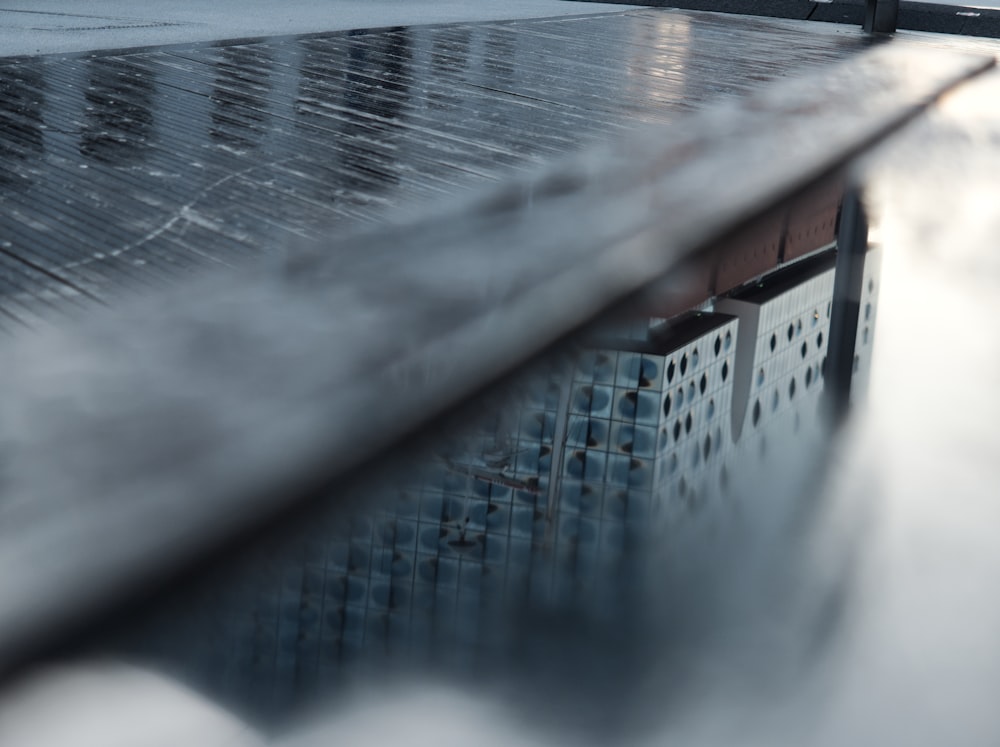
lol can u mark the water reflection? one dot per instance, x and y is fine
(548, 504)
(118, 121)
(498, 60)
(449, 60)
(376, 93)
(363, 94)
(240, 115)
(658, 74)
(535, 538)
(22, 100)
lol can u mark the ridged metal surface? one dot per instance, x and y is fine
(123, 172)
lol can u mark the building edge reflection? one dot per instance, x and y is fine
(548, 511)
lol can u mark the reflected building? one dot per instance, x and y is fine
(118, 126)
(22, 101)
(358, 84)
(780, 357)
(548, 508)
(551, 507)
(500, 52)
(864, 343)
(550, 504)
(375, 94)
(449, 62)
(240, 113)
